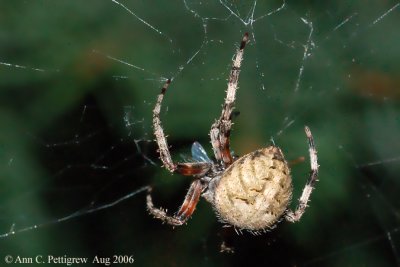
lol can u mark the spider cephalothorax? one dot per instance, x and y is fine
(251, 192)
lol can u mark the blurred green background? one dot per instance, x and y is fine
(78, 83)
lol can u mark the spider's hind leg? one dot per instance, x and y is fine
(185, 211)
(294, 216)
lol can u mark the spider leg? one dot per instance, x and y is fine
(294, 216)
(187, 169)
(185, 211)
(220, 130)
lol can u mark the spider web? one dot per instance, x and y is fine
(80, 79)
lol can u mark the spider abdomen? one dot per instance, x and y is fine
(254, 192)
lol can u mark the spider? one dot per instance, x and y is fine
(251, 192)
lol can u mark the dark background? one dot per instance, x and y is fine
(78, 82)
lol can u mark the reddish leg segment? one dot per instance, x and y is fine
(221, 129)
(186, 210)
(187, 169)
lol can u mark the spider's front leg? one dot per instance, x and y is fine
(186, 168)
(294, 216)
(221, 129)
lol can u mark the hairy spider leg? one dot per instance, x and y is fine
(196, 169)
(186, 210)
(220, 130)
(186, 168)
(294, 216)
(191, 200)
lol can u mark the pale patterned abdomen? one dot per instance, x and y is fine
(254, 192)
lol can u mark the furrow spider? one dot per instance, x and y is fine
(251, 192)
